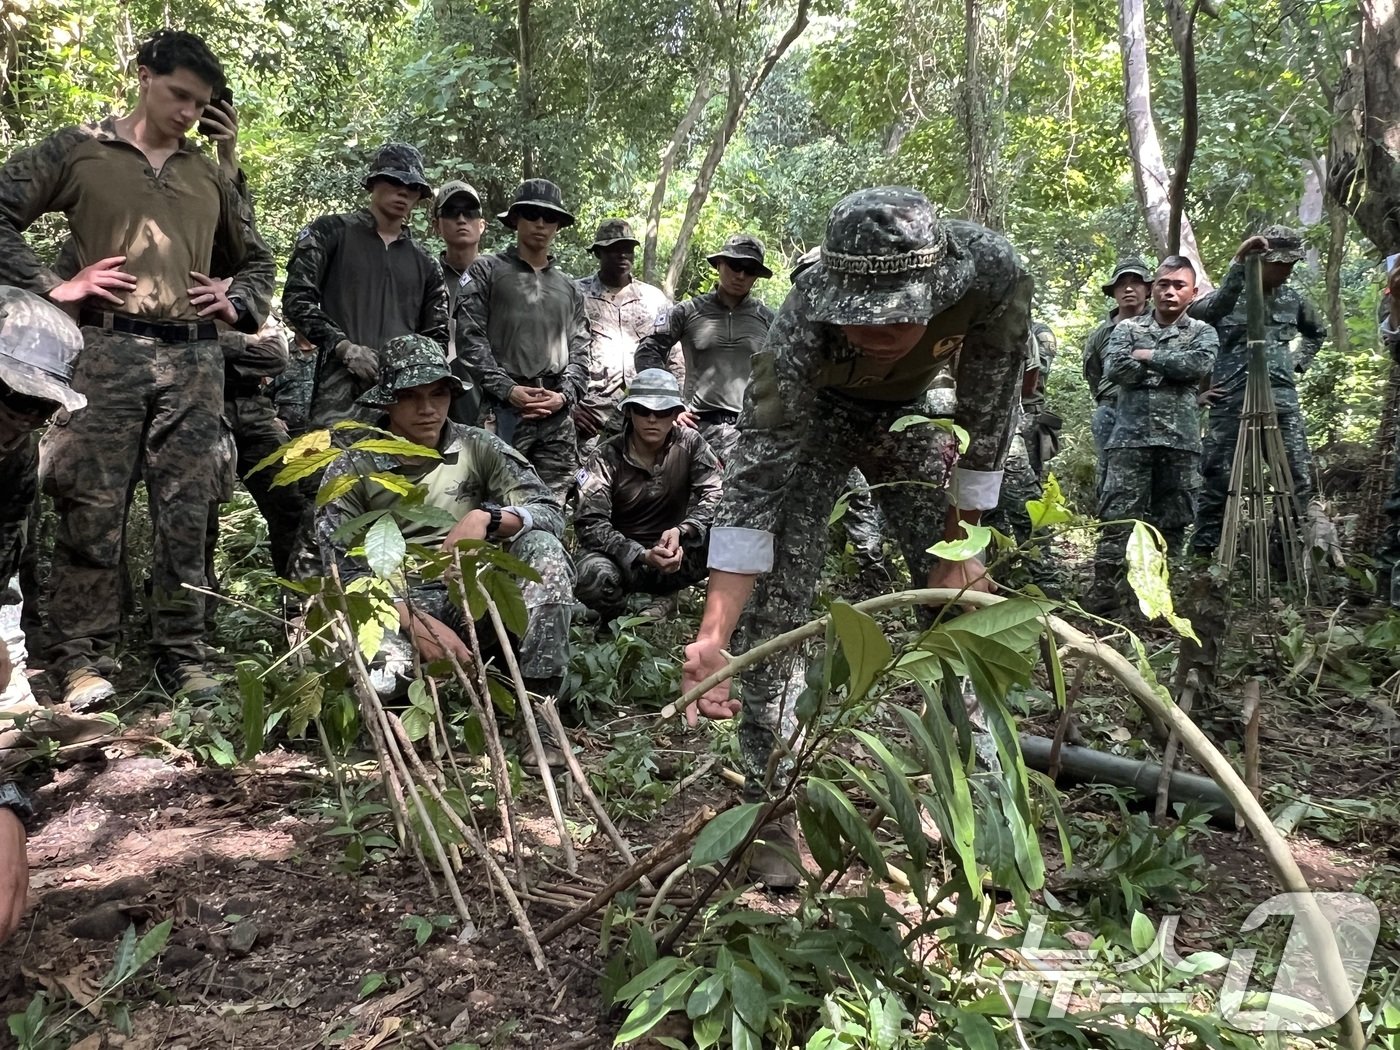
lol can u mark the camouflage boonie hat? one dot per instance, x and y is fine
(537, 193)
(399, 160)
(613, 231)
(407, 361)
(654, 388)
(805, 262)
(1130, 267)
(1285, 244)
(742, 247)
(886, 259)
(39, 347)
(455, 188)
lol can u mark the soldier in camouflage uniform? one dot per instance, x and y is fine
(646, 500)
(291, 391)
(1157, 361)
(1295, 334)
(39, 348)
(1388, 552)
(486, 485)
(152, 362)
(1034, 440)
(622, 311)
(1129, 286)
(358, 279)
(522, 332)
(905, 313)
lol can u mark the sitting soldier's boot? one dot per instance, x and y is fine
(549, 740)
(773, 861)
(188, 682)
(662, 609)
(86, 690)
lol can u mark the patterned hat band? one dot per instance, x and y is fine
(907, 262)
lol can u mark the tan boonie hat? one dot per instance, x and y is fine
(455, 188)
(39, 347)
(611, 232)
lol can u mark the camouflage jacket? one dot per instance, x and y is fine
(973, 353)
(717, 343)
(250, 359)
(1295, 334)
(1094, 348)
(617, 322)
(1157, 398)
(19, 482)
(624, 508)
(291, 391)
(96, 179)
(476, 468)
(515, 323)
(1040, 353)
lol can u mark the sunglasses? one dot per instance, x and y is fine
(748, 269)
(24, 405)
(651, 413)
(452, 213)
(533, 214)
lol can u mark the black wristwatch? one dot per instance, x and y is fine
(12, 798)
(494, 509)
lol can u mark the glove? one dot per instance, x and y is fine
(362, 361)
(1322, 537)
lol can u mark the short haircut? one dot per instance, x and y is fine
(1176, 262)
(167, 50)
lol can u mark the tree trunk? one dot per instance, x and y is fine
(1183, 27)
(1364, 155)
(981, 180)
(1311, 205)
(704, 91)
(527, 100)
(1150, 175)
(741, 93)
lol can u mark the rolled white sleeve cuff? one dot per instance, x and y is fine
(527, 520)
(1388, 332)
(976, 489)
(748, 551)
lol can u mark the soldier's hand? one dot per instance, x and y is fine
(103, 280)
(219, 123)
(210, 297)
(663, 559)
(687, 419)
(1252, 245)
(703, 659)
(362, 361)
(969, 575)
(1208, 398)
(587, 421)
(434, 640)
(544, 406)
(14, 873)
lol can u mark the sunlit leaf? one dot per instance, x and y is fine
(384, 547)
(1147, 573)
(972, 544)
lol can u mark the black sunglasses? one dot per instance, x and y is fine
(651, 413)
(532, 214)
(458, 212)
(25, 405)
(747, 268)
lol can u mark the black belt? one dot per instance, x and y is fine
(165, 331)
(715, 415)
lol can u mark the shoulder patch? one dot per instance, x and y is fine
(303, 233)
(465, 279)
(662, 317)
(581, 477)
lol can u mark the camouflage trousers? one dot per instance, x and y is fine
(1155, 485)
(551, 445)
(153, 412)
(604, 585)
(1019, 483)
(1101, 425)
(1219, 457)
(850, 436)
(251, 423)
(543, 651)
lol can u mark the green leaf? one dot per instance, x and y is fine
(1147, 573)
(416, 723)
(304, 466)
(720, 836)
(865, 646)
(122, 962)
(977, 1032)
(1143, 932)
(970, 546)
(395, 447)
(853, 826)
(652, 977)
(334, 488)
(706, 996)
(371, 983)
(384, 547)
(901, 799)
(505, 592)
(1051, 508)
(750, 1007)
(254, 694)
(351, 530)
(396, 483)
(708, 1029)
(823, 839)
(311, 441)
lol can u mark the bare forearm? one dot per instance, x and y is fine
(725, 599)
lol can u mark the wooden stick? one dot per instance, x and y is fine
(1164, 779)
(677, 842)
(1062, 727)
(1252, 707)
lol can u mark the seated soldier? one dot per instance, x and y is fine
(492, 492)
(646, 500)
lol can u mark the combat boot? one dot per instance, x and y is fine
(86, 690)
(776, 853)
(549, 740)
(188, 682)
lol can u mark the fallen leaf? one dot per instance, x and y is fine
(1122, 734)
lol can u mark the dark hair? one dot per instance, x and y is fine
(1176, 262)
(167, 50)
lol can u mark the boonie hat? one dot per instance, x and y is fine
(1130, 267)
(537, 193)
(407, 361)
(886, 259)
(654, 388)
(399, 160)
(39, 347)
(1285, 244)
(742, 247)
(613, 231)
(455, 188)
